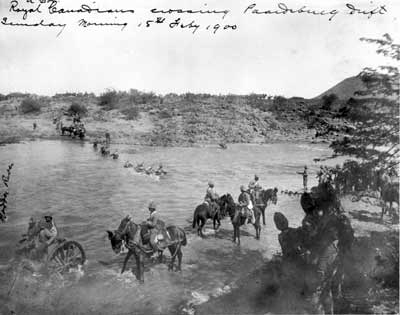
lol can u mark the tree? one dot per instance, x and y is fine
(30, 106)
(374, 113)
(329, 100)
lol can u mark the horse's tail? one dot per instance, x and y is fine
(194, 219)
(184, 240)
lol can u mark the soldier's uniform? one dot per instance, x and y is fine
(245, 201)
(158, 237)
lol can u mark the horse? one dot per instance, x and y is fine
(79, 132)
(389, 194)
(267, 195)
(202, 213)
(126, 233)
(237, 219)
(328, 256)
(69, 129)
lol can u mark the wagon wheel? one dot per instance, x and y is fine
(66, 256)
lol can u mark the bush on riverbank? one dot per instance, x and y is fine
(77, 108)
(131, 113)
(109, 100)
(30, 106)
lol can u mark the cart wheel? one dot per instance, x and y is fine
(66, 256)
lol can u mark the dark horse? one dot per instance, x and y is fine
(203, 212)
(126, 232)
(237, 219)
(267, 195)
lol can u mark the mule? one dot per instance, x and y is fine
(267, 196)
(202, 213)
(126, 233)
(237, 219)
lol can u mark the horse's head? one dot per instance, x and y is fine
(117, 237)
(274, 197)
(227, 205)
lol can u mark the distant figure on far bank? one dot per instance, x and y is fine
(108, 138)
(305, 177)
(34, 125)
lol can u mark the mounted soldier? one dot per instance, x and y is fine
(323, 241)
(211, 197)
(246, 204)
(255, 191)
(327, 239)
(257, 185)
(158, 235)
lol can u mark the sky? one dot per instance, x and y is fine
(277, 54)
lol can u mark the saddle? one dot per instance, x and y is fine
(160, 235)
(244, 213)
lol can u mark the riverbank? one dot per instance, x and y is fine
(172, 120)
(371, 288)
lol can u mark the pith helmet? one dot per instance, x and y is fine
(48, 215)
(242, 188)
(252, 184)
(211, 183)
(152, 205)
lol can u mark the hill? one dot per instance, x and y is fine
(346, 88)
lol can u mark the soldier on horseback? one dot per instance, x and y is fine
(255, 191)
(327, 238)
(257, 185)
(211, 197)
(159, 239)
(323, 241)
(246, 204)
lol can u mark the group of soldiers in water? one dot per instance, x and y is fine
(247, 200)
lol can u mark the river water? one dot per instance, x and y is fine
(89, 194)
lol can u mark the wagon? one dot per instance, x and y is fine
(65, 255)
(61, 256)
